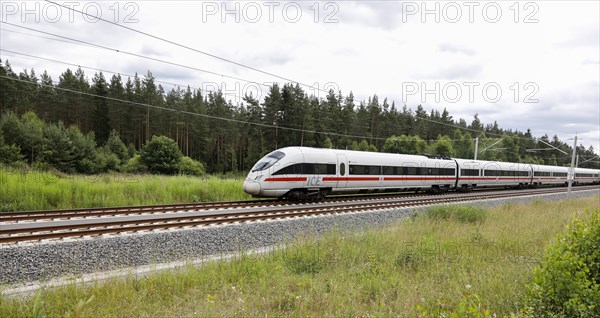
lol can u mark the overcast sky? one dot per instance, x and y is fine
(523, 64)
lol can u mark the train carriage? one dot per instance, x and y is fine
(548, 175)
(586, 176)
(303, 172)
(480, 173)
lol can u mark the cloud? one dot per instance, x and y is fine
(375, 14)
(452, 48)
(590, 62)
(264, 58)
(582, 37)
(453, 72)
(154, 51)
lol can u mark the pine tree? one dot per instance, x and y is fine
(8, 88)
(100, 122)
(118, 112)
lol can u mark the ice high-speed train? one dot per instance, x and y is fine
(305, 173)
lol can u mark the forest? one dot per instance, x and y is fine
(80, 125)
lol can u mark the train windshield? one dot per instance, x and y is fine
(268, 161)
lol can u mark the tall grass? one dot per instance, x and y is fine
(35, 190)
(426, 266)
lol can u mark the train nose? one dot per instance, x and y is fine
(251, 187)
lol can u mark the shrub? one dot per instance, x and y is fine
(567, 282)
(106, 160)
(161, 155)
(117, 146)
(10, 155)
(191, 167)
(134, 165)
(59, 150)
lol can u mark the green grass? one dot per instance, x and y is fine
(33, 190)
(424, 266)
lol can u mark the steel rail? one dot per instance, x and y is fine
(179, 221)
(162, 208)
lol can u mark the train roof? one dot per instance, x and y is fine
(366, 153)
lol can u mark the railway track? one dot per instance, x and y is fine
(42, 225)
(168, 208)
(19, 216)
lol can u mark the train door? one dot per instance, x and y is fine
(343, 170)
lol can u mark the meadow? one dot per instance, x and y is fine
(450, 261)
(25, 189)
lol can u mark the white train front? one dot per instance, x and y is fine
(303, 172)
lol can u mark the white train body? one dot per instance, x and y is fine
(303, 172)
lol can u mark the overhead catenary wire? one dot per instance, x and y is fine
(459, 127)
(95, 69)
(186, 47)
(138, 55)
(44, 37)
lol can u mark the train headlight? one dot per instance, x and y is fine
(251, 187)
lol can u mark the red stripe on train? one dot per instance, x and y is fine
(300, 179)
(493, 178)
(417, 178)
(350, 179)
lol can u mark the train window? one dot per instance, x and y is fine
(541, 174)
(559, 174)
(307, 168)
(318, 168)
(374, 170)
(321, 168)
(469, 172)
(365, 170)
(584, 175)
(389, 170)
(411, 171)
(354, 169)
(342, 169)
(291, 169)
(268, 161)
(447, 172)
(489, 173)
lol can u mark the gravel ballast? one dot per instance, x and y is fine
(43, 261)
